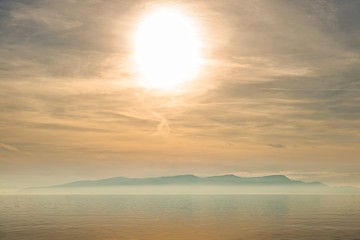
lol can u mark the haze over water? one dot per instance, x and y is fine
(102, 97)
(169, 217)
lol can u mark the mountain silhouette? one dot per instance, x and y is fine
(191, 180)
(191, 184)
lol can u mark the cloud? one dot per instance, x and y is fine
(277, 74)
(277, 145)
(8, 148)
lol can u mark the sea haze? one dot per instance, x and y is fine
(190, 184)
(172, 217)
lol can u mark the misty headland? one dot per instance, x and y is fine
(191, 184)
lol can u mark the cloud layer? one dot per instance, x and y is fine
(279, 92)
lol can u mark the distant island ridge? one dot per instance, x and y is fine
(191, 184)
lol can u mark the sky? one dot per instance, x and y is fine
(278, 93)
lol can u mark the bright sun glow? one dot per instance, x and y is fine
(167, 49)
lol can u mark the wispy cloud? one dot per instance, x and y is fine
(279, 88)
(9, 148)
(277, 145)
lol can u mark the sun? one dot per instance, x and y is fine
(167, 49)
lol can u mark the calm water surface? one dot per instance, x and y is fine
(225, 217)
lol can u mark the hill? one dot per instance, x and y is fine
(191, 184)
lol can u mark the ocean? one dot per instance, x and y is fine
(172, 217)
